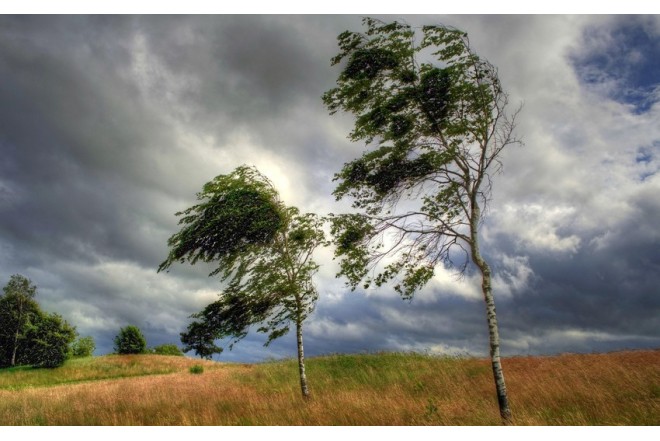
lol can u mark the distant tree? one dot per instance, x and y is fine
(130, 341)
(18, 310)
(28, 335)
(48, 341)
(263, 250)
(166, 349)
(422, 191)
(200, 337)
(83, 347)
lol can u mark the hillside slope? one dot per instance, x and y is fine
(620, 388)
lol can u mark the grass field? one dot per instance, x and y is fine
(380, 389)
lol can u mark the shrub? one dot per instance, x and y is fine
(48, 341)
(130, 341)
(167, 349)
(197, 369)
(83, 347)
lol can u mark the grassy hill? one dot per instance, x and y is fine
(620, 388)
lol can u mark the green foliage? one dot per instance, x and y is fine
(83, 347)
(48, 341)
(264, 253)
(436, 130)
(167, 349)
(196, 369)
(130, 341)
(28, 335)
(18, 310)
(200, 337)
(238, 213)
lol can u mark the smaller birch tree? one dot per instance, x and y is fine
(264, 252)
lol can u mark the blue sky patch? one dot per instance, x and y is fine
(622, 61)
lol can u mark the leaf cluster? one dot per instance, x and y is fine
(48, 341)
(237, 213)
(130, 340)
(83, 347)
(166, 349)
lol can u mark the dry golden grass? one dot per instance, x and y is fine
(381, 389)
(621, 388)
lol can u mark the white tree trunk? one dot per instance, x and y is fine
(301, 360)
(498, 374)
(13, 353)
(493, 333)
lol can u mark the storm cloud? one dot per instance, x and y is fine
(111, 124)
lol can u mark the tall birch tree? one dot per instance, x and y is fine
(434, 114)
(264, 252)
(18, 310)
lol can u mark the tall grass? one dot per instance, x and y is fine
(378, 389)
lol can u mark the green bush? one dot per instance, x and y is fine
(130, 341)
(166, 349)
(83, 347)
(48, 341)
(197, 369)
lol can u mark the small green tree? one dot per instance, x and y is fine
(130, 341)
(264, 251)
(48, 341)
(83, 347)
(166, 349)
(438, 130)
(200, 338)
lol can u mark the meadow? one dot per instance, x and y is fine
(621, 388)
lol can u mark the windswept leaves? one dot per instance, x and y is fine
(264, 252)
(386, 172)
(238, 211)
(437, 128)
(367, 63)
(351, 233)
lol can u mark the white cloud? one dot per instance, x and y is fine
(556, 339)
(514, 276)
(535, 227)
(349, 332)
(449, 282)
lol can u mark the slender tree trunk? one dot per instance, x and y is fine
(498, 374)
(13, 353)
(301, 361)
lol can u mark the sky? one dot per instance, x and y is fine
(111, 124)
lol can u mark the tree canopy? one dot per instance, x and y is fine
(130, 340)
(264, 252)
(166, 349)
(83, 347)
(28, 335)
(437, 128)
(237, 214)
